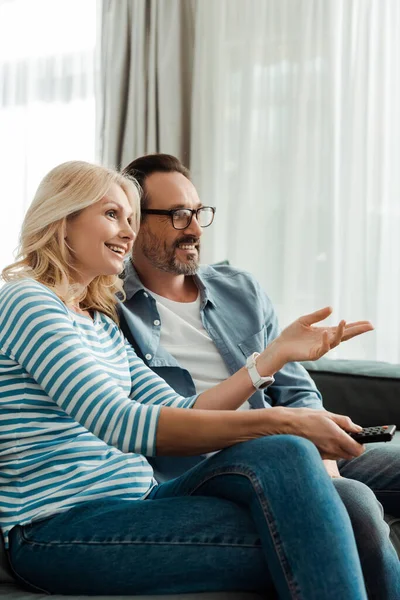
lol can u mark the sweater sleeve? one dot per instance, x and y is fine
(37, 332)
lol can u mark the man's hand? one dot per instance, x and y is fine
(303, 341)
(332, 468)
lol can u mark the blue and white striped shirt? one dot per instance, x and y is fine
(78, 409)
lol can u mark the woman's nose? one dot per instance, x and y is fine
(128, 233)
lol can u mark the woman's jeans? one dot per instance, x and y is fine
(260, 515)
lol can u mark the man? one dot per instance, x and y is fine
(197, 325)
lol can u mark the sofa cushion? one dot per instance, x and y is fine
(5, 572)
(12, 592)
(366, 391)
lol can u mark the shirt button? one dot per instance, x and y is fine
(156, 322)
(145, 294)
(148, 357)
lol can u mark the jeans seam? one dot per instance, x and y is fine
(31, 542)
(252, 477)
(136, 543)
(19, 577)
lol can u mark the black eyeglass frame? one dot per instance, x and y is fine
(170, 213)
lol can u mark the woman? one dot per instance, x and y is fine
(80, 509)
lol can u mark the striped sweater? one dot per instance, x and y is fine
(78, 408)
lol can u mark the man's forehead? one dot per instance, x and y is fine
(171, 190)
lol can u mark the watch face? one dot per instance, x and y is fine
(264, 385)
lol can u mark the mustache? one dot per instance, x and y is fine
(187, 239)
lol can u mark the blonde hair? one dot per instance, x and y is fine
(43, 253)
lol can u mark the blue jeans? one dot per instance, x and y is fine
(379, 469)
(234, 522)
(373, 475)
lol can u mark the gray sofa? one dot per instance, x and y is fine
(369, 392)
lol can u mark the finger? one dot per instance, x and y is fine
(315, 317)
(324, 348)
(353, 427)
(325, 341)
(341, 452)
(336, 455)
(356, 330)
(345, 423)
(347, 445)
(359, 323)
(339, 334)
(352, 449)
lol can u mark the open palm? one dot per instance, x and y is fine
(304, 341)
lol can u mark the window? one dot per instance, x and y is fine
(47, 99)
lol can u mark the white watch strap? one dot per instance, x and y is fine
(257, 380)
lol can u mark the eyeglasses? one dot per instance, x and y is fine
(182, 217)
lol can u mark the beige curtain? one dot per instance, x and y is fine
(294, 137)
(146, 70)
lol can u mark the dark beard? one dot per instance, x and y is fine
(163, 257)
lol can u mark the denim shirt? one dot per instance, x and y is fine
(239, 318)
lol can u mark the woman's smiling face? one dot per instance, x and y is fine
(100, 236)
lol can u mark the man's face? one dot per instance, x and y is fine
(166, 248)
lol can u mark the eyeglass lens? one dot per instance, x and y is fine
(182, 217)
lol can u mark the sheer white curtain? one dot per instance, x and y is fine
(296, 140)
(47, 112)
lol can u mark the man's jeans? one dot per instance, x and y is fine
(378, 468)
(237, 521)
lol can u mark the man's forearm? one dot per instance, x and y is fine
(234, 391)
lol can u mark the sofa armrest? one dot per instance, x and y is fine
(367, 391)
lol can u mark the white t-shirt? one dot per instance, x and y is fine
(183, 336)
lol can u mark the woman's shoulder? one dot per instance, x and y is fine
(26, 289)
(27, 305)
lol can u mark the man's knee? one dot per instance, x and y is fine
(359, 500)
(366, 516)
(378, 467)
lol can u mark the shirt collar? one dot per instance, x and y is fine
(132, 284)
(205, 292)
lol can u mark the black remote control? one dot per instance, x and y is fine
(383, 433)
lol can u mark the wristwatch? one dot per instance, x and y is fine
(259, 382)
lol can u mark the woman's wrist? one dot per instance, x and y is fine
(275, 420)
